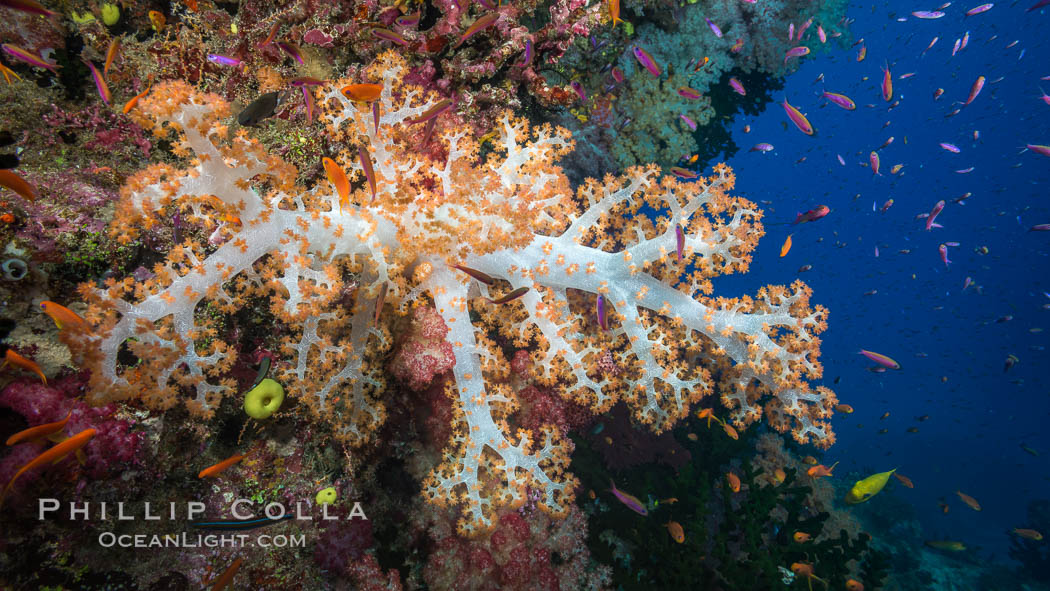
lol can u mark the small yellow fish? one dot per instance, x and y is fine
(868, 487)
(786, 247)
(949, 545)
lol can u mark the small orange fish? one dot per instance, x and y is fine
(10, 180)
(970, 501)
(786, 247)
(337, 177)
(707, 413)
(128, 106)
(809, 460)
(27, 364)
(214, 470)
(226, 578)
(801, 537)
(854, 585)
(38, 432)
(1028, 534)
(614, 11)
(52, 456)
(111, 54)
(821, 470)
(803, 569)
(944, 507)
(730, 431)
(692, 436)
(676, 531)
(844, 409)
(64, 317)
(364, 93)
(885, 416)
(904, 480)
(779, 475)
(734, 482)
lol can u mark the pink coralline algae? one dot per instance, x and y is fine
(116, 443)
(518, 555)
(424, 353)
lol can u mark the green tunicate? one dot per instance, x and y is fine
(110, 14)
(263, 400)
(628, 28)
(82, 19)
(326, 496)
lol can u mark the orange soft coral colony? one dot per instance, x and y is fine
(512, 217)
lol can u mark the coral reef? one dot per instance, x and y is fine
(512, 220)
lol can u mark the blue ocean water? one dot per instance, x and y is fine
(951, 348)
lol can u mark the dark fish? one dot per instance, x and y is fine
(261, 108)
(264, 368)
(237, 523)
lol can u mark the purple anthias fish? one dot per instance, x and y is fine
(840, 99)
(223, 60)
(647, 61)
(927, 14)
(714, 27)
(631, 501)
(679, 241)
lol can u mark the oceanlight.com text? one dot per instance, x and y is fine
(186, 540)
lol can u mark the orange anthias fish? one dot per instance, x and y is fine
(10, 180)
(730, 431)
(64, 317)
(226, 578)
(779, 475)
(844, 409)
(128, 106)
(854, 585)
(676, 531)
(614, 11)
(810, 460)
(215, 470)
(337, 177)
(801, 537)
(734, 482)
(786, 247)
(904, 480)
(38, 432)
(803, 569)
(820, 471)
(52, 455)
(364, 93)
(970, 501)
(27, 364)
(707, 413)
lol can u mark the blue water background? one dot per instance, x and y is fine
(978, 418)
